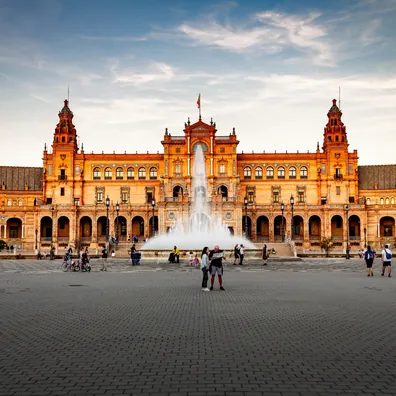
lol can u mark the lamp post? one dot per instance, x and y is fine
(245, 202)
(36, 231)
(52, 209)
(117, 211)
(347, 232)
(153, 222)
(365, 237)
(292, 218)
(107, 222)
(282, 210)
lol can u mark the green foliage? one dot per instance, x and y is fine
(326, 244)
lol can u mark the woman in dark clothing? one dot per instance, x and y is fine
(265, 255)
(236, 253)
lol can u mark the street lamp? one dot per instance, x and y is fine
(52, 209)
(282, 210)
(292, 219)
(365, 237)
(347, 231)
(117, 207)
(153, 223)
(107, 221)
(245, 202)
(36, 231)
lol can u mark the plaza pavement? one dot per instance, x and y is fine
(316, 327)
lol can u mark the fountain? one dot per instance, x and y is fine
(205, 228)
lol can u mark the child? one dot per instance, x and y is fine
(196, 261)
(190, 258)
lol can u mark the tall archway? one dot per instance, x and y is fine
(387, 227)
(177, 192)
(138, 227)
(337, 231)
(298, 223)
(101, 228)
(46, 229)
(314, 228)
(262, 228)
(14, 228)
(354, 228)
(63, 231)
(223, 191)
(279, 232)
(120, 228)
(85, 229)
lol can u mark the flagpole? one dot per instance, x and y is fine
(199, 107)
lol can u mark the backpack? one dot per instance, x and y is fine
(370, 255)
(388, 254)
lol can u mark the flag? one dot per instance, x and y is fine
(199, 101)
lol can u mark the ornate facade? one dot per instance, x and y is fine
(64, 202)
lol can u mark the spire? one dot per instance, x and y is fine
(65, 131)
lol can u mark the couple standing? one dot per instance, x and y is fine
(212, 261)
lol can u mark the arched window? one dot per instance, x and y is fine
(386, 201)
(119, 173)
(19, 202)
(270, 172)
(392, 200)
(382, 201)
(259, 172)
(368, 201)
(247, 173)
(96, 174)
(303, 172)
(292, 172)
(281, 172)
(222, 169)
(142, 173)
(130, 173)
(108, 174)
(153, 173)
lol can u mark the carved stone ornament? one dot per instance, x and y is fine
(337, 155)
(171, 215)
(63, 156)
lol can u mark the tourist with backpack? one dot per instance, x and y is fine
(386, 261)
(369, 257)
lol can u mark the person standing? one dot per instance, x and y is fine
(386, 261)
(216, 256)
(104, 259)
(369, 257)
(241, 254)
(236, 253)
(265, 255)
(205, 268)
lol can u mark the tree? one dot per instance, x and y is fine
(326, 244)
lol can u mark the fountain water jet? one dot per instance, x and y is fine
(205, 228)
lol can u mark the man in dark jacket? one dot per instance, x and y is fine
(104, 258)
(216, 266)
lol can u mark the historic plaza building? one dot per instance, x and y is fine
(64, 202)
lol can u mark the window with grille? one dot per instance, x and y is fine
(222, 169)
(99, 197)
(108, 174)
(130, 173)
(153, 173)
(259, 173)
(270, 172)
(303, 172)
(178, 169)
(301, 197)
(124, 197)
(142, 173)
(96, 174)
(292, 172)
(275, 197)
(119, 174)
(281, 172)
(247, 173)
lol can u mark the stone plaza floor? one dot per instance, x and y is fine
(316, 327)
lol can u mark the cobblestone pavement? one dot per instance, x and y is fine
(308, 328)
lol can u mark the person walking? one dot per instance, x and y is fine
(205, 268)
(369, 257)
(104, 259)
(241, 254)
(236, 253)
(386, 261)
(216, 265)
(265, 254)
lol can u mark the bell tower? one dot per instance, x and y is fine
(65, 136)
(334, 132)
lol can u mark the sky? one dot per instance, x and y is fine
(268, 68)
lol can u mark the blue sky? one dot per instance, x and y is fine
(268, 68)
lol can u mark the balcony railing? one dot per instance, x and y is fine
(45, 239)
(314, 237)
(63, 239)
(338, 176)
(62, 177)
(86, 239)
